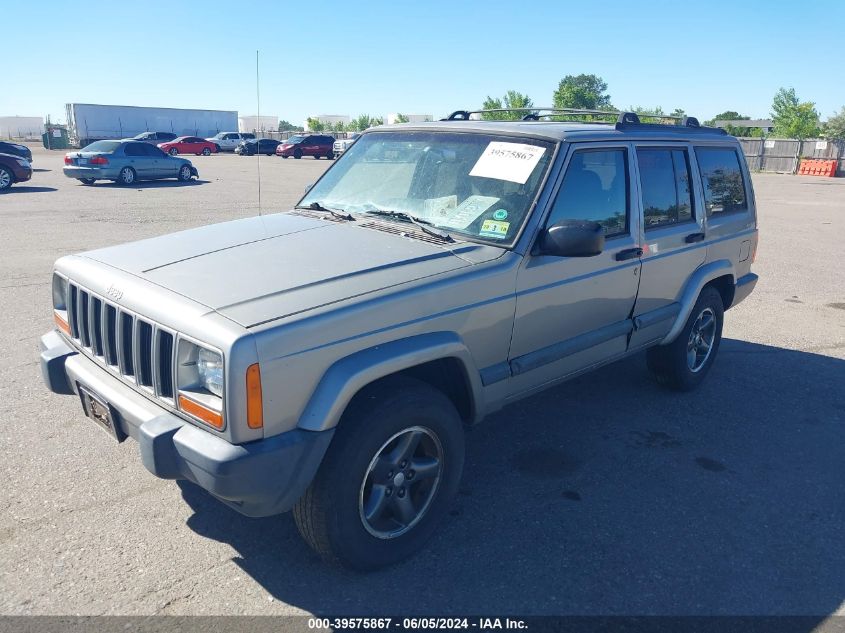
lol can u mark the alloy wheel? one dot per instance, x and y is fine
(400, 482)
(701, 338)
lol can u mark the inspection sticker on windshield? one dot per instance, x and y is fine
(508, 161)
(492, 228)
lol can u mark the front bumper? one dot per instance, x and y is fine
(259, 478)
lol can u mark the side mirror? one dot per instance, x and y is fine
(573, 238)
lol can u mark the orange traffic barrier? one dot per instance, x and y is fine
(817, 167)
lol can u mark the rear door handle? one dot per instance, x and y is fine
(694, 237)
(629, 253)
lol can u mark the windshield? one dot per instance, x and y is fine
(477, 185)
(142, 136)
(294, 140)
(101, 146)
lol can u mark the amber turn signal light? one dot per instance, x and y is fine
(61, 323)
(254, 403)
(202, 412)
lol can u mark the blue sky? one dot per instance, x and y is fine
(427, 57)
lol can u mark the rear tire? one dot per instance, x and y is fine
(173, 151)
(206, 152)
(372, 503)
(127, 176)
(682, 364)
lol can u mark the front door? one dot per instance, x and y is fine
(574, 312)
(672, 237)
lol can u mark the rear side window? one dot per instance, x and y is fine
(595, 188)
(721, 176)
(134, 149)
(665, 185)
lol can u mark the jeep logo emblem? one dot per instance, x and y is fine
(114, 293)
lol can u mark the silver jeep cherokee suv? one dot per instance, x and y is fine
(327, 358)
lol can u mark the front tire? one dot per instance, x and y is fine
(184, 173)
(6, 179)
(389, 476)
(206, 152)
(297, 154)
(126, 176)
(682, 364)
(330, 155)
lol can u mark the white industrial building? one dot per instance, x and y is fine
(21, 127)
(412, 118)
(328, 119)
(263, 123)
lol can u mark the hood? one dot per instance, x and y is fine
(261, 269)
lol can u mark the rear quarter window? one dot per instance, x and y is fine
(722, 180)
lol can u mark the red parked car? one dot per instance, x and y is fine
(315, 145)
(189, 145)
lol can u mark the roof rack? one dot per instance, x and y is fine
(624, 120)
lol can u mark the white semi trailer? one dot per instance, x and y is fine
(88, 122)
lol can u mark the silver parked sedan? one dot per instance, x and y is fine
(125, 162)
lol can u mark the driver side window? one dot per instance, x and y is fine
(595, 187)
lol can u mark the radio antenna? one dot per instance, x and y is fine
(257, 141)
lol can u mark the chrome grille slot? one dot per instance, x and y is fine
(73, 300)
(141, 351)
(84, 322)
(124, 344)
(96, 312)
(164, 364)
(110, 336)
(144, 353)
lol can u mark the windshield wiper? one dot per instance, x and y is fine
(420, 222)
(338, 213)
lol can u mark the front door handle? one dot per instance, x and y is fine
(694, 237)
(629, 253)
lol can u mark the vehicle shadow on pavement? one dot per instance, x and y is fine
(152, 184)
(26, 189)
(609, 495)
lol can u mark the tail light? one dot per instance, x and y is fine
(68, 160)
(99, 160)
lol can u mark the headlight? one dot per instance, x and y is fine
(23, 162)
(210, 369)
(60, 315)
(199, 379)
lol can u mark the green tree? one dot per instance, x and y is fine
(678, 112)
(793, 118)
(287, 126)
(315, 125)
(400, 118)
(362, 122)
(834, 127)
(588, 92)
(512, 99)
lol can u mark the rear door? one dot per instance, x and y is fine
(136, 155)
(574, 312)
(672, 235)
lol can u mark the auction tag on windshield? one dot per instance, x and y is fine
(508, 161)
